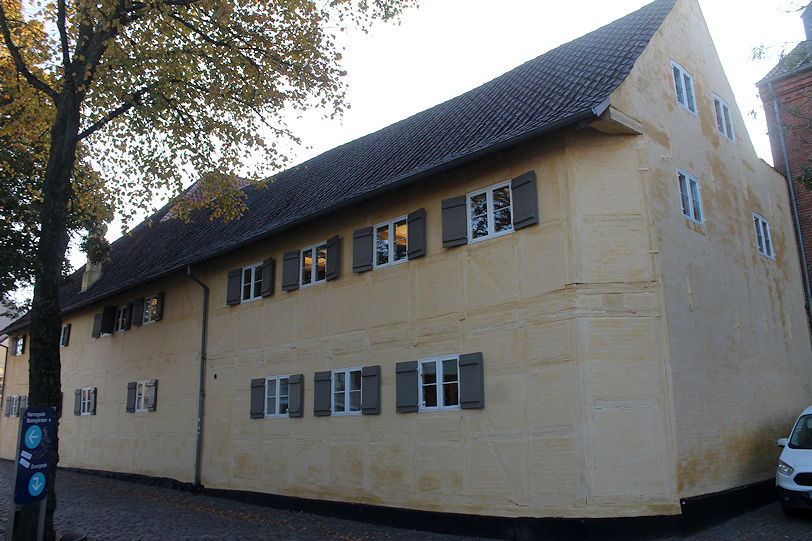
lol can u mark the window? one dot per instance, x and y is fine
(723, 122)
(689, 195)
(765, 244)
(151, 307)
(490, 212)
(439, 383)
(18, 345)
(276, 396)
(252, 282)
(346, 391)
(391, 242)
(87, 404)
(122, 321)
(64, 337)
(13, 406)
(314, 265)
(145, 395)
(684, 87)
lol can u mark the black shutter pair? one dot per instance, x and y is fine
(363, 241)
(472, 384)
(103, 323)
(524, 200)
(291, 264)
(370, 392)
(295, 397)
(64, 339)
(77, 401)
(234, 285)
(152, 396)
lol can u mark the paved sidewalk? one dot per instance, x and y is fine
(120, 510)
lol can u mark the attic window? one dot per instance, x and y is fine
(684, 86)
(723, 122)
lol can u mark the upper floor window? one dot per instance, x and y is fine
(122, 321)
(314, 265)
(346, 391)
(151, 309)
(276, 396)
(490, 212)
(684, 86)
(252, 282)
(145, 395)
(689, 195)
(64, 337)
(763, 239)
(87, 401)
(18, 345)
(391, 242)
(439, 383)
(723, 121)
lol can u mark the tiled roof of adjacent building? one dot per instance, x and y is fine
(798, 60)
(566, 85)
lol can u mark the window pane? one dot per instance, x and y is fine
(270, 399)
(339, 388)
(382, 245)
(451, 394)
(321, 262)
(479, 226)
(246, 284)
(695, 197)
(307, 266)
(257, 281)
(283, 395)
(501, 197)
(430, 384)
(683, 191)
(355, 380)
(502, 220)
(719, 122)
(728, 122)
(678, 83)
(355, 400)
(768, 249)
(758, 235)
(400, 240)
(689, 93)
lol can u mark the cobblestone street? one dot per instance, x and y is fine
(107, 509)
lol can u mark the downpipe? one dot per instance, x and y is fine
(201, 392)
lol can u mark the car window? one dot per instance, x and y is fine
(801, 437)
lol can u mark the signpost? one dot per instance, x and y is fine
(34, 450)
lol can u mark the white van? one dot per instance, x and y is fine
(793, 478)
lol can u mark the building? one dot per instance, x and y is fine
(786, 93)
(570, 292)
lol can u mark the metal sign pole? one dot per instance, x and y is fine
(12, 508)
(43, 503)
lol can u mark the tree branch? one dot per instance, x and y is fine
(63, 38)
(19, 63)
(135, 99)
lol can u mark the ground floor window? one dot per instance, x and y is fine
(439, 383)
(276, 396)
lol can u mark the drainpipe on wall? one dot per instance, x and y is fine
(794, 205)
(201, 392)
(3, 386)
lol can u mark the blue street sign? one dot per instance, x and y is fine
(35, 449)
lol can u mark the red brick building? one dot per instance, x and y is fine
(786, 93)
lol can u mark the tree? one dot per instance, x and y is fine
(156, 91)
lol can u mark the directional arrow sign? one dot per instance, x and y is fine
(33, 436)
(36, 484)
(35, 447)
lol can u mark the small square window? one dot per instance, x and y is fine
(391, 242)
(313, 265)
(439, 383)
(276, 396)
(490, 212)
(252, 282)
(763, 239)
(684, 87)
(346, 391)
(689, 196)
(724, 123)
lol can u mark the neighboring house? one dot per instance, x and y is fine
(564, 293)
(786, 92)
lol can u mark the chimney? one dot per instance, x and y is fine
(807, 17)
(92, 273)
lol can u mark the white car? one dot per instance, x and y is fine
(793, 478)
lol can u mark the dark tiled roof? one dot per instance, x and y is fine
(563, 86)
(798, 60)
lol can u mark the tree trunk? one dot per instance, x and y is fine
(44, 366)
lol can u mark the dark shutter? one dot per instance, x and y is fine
(333, 257)
(472, 382)
(371, 390)
(296, 395)
(14, 345)
(65, 338)
(257, 398)
(406, 383)
(268, 275)
(77, 402)
(321, 393)
(455, 221)
(152, 389)
(525, 201)
(159, 306)
(131, 386)
(108, 319)
(7, 409)
(138, 312)
(96, 326)
(234, 287)
(362, 249)
(290, 271)
(416, 233)
(93, 401)
(23, 405)
(128, 316)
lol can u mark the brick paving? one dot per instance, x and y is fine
(105, 509)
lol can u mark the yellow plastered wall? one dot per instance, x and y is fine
(15, 384)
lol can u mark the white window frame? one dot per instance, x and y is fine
(764, 241)
(276, 381)
(149, 314)
(347, 390)
(14, 410)
(686, 98)
(438, 364)
(313, 265)
(392, 226)
(121, 318)
(724, 121)
(142, 387)
(489, 211)
(690, 193)
(86, 401)
(255, 280)
(19, 345)
(62, 336)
